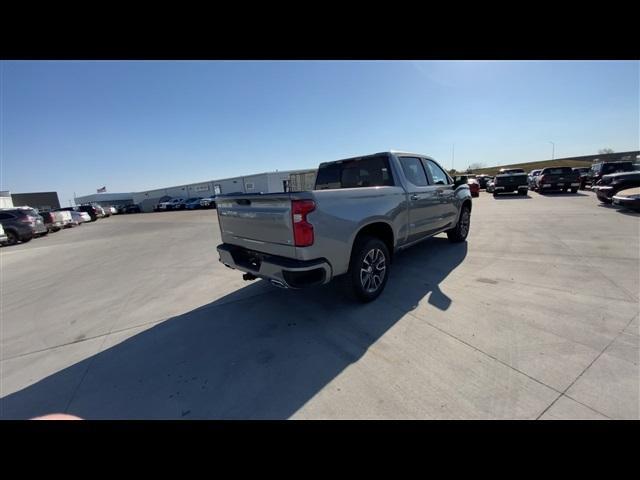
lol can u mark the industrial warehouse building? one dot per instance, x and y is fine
(268, 182)
(41, 200)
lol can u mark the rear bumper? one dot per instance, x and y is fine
(559, 185)
(509, 188)
(280, 271)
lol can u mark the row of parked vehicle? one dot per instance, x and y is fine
(169, 203)
(608, 179)
(21, 224)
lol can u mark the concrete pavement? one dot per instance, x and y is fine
(536, 316)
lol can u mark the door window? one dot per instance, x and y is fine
(414, 171)
(438, 176)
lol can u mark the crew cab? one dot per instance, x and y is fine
(510, 180)
(557, 178)
(361, 211)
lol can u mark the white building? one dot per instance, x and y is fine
(267, 182)
(106, 199)
(5, 199)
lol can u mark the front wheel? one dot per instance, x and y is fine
(368, 269)
(461, 230)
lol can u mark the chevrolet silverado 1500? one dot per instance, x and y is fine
(361, 211)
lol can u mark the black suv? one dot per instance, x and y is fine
(600, 169)
(21, 224)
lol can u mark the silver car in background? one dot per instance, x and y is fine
(80, 217)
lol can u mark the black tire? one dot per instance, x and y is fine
(460, 232)
(26, 239)
(372, 254)
(495, 194)
(574, 190)
(12, 237)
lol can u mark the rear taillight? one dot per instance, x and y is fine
(28, 219)
(542, 177)
(302, 229)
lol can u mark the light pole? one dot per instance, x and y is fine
(453, 154)
(553, 150)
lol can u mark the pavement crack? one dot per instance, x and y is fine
(563, 393)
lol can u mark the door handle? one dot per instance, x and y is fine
(414, 197)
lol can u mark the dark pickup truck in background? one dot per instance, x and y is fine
(558, 179)
(510, 180)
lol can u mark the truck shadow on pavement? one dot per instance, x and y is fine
(257, 353)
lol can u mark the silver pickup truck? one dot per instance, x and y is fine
(360, 213)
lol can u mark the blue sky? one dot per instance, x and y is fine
(74, 126)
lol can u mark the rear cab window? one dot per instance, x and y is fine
(558, 171)
(373, 171)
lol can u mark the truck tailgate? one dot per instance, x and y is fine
(259, 222)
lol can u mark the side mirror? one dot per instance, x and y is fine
(460, 180)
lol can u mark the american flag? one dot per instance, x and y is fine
(102, 190)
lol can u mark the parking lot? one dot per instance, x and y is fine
(535, 316)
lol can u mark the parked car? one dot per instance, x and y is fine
(208, 202)
(162, 200)
(132, 209)
(483, 180)
(193, 203)
(610, 185)
(490, 186)
(106, 211)
(21, 224)
(114, 210)
(170, 205)
(628, 198)
(52, 220)
(90, 209)
(583, 173)
(181, 205)
(3, 236)
(361, 211)
(80, 217)
(557, 179)
(531, 178)
(474, 187)
(509, 180)
(599, 169)
(65, 216)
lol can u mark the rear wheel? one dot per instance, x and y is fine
(574, 190)
(26, 239)
(12, 238)
(368, 269)
(461, 230)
